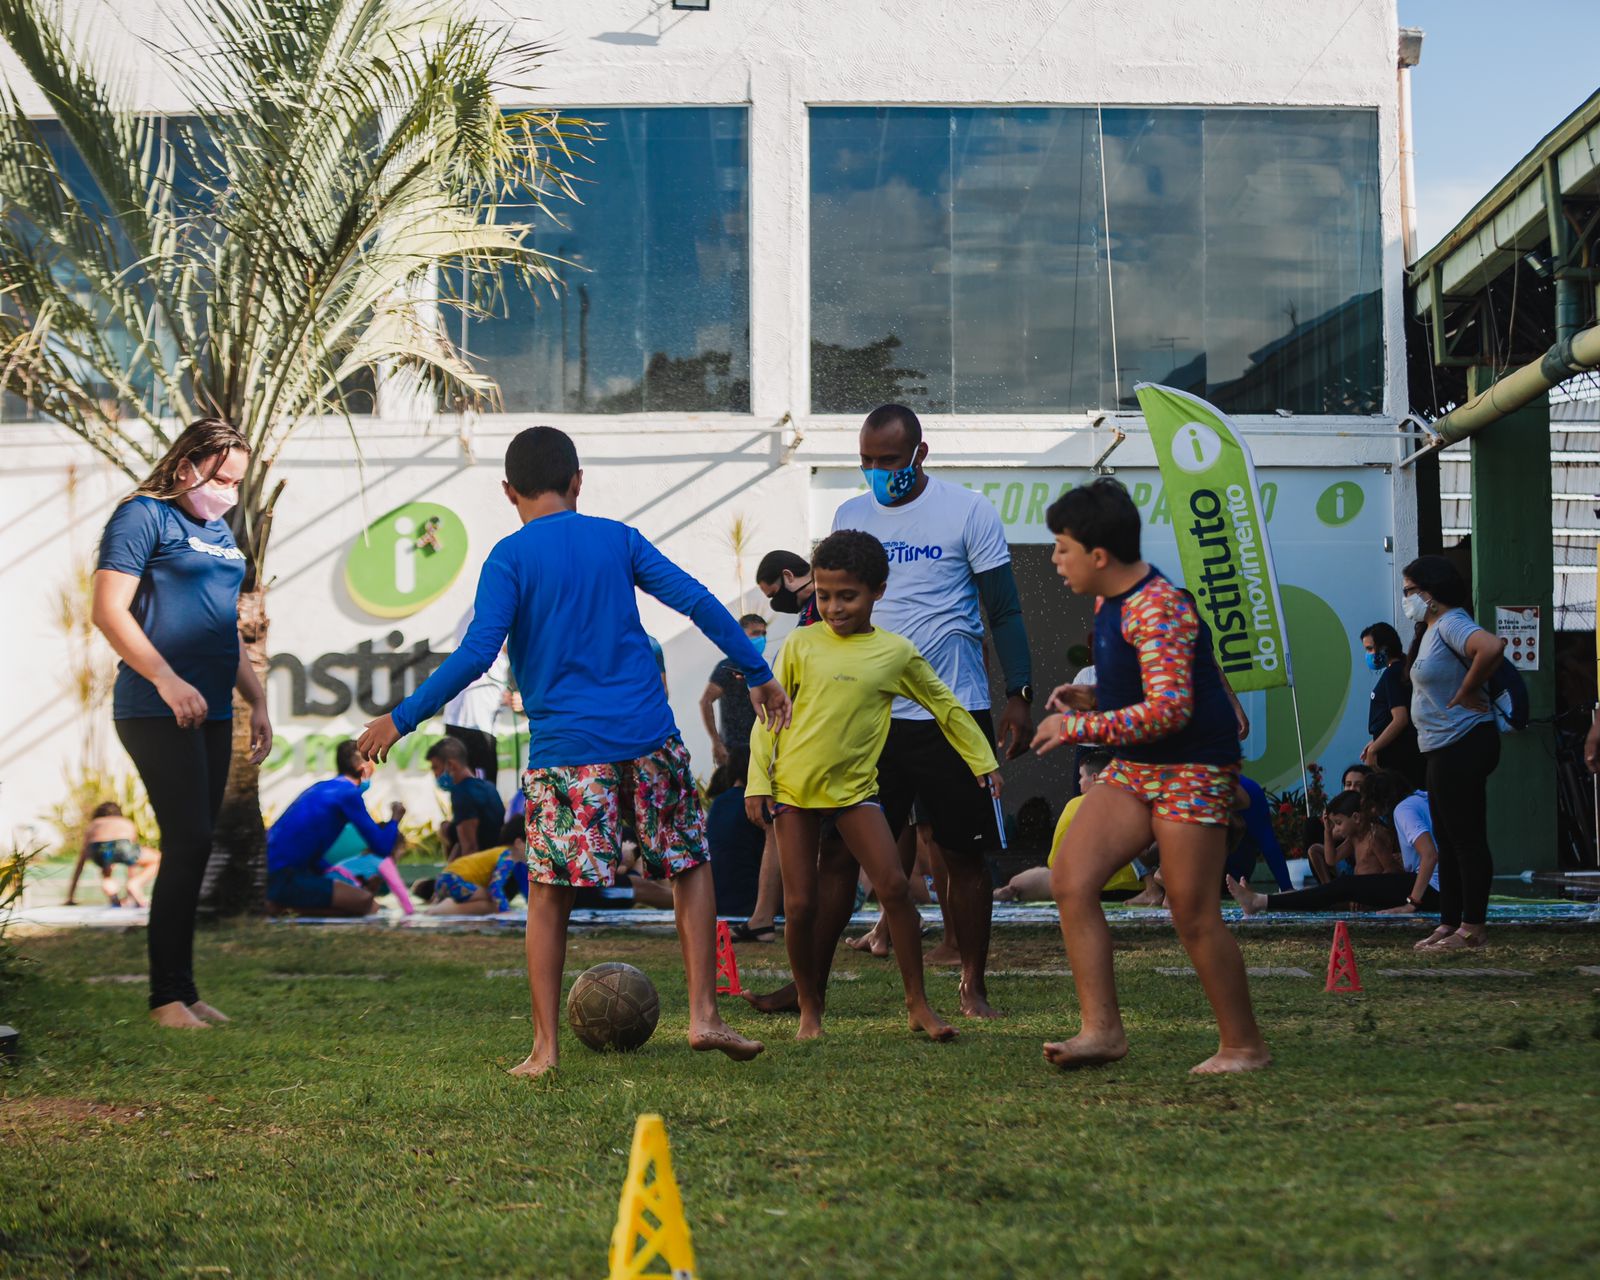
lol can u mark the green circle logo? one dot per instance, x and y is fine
(1340, 503)
(406, 559)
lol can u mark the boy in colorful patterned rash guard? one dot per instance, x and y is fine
(1159, 705)
(561, 593)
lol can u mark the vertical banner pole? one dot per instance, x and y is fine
(1300, 744)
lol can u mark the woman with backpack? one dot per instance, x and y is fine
(1451, 661)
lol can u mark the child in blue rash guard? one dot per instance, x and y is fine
(561, 593)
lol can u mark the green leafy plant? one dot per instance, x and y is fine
(1297, 823)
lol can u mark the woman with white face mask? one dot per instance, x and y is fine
(1451, 659)
(166, 596)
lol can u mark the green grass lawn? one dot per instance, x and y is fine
(366, 1126)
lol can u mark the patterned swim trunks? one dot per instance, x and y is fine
(574, 818)
(1201, 794)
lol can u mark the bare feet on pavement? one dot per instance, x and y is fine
(1085, 1050)
(1229, 1061)
(176, 1015)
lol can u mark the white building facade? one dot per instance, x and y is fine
(1002, 213)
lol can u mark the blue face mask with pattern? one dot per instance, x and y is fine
(1377, 661)
(445, 782)
(888, 487)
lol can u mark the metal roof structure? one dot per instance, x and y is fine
(1518, 271)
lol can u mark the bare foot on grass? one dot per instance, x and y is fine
(719, 1037)
(932, 1025)
(784, 1000)
(810, 1027)
(975, 1002)
(202, 1010)
(944, 954)
(1246, 897)
(1085, 1050)
(1231, 1061)
(533, 1066)
(176, 1016)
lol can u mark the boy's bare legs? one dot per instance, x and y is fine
(867, 832)
(833, 874)
(969, 905)
(1110, 829)
(549, 907)
(769, 886)
(694, 902)
(142, 877)
(875, 941)
(479, 904)
(1029, 885)
(1192, 858)
(798, 831)
(949, 949)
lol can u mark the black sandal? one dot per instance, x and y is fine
(744, 933)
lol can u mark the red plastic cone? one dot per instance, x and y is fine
(1342, 975)
(727, 963)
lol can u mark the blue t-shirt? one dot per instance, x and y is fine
(187, 602)
(474, 798)
(309, 827)
(736, 844)
(560, 593)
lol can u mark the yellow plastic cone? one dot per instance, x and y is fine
(650, 1226)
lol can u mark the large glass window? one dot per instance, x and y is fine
(959, 258)
(653, 309)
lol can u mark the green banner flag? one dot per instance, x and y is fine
(1210, 479)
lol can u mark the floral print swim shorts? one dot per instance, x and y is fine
(1196, 793)
(574, 818)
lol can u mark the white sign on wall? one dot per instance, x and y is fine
(1518, 626)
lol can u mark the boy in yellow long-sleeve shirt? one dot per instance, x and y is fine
(843, 678)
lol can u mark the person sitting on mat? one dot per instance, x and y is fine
(476, 810)
(1033, 883)
(298, 842)
(483, 883)
(1414, 886)
(112, 840)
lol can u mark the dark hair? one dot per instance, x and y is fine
(541, 460)
(1094, 761)
(1346, 804)
(1381, 791)
(447, 749)
(859, 554)
(888, 415)
(514, 828)
(752, 619)
(1444, 583)
(719, 782)
(346, 759)
(203, 440)
(110, 809)
(775, 562)
(1362, 769)
(1385, 639)
(738, 766)
(1100, 514)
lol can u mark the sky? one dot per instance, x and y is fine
(1495, 77)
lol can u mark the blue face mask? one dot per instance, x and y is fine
(760, 643)
(888, 487)
(364, 786)
(445, 782)
(1375, 661)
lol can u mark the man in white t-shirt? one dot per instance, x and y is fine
(949, 565)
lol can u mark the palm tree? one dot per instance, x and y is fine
(343, 174)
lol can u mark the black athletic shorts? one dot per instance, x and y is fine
(920, 769)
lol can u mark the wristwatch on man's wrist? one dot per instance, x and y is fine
(1025, 692)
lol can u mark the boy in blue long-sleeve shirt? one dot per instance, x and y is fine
(298, 842)
(560, 594)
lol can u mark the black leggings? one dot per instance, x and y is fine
(184, 772)
(1378, 892)
(1458, 789)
